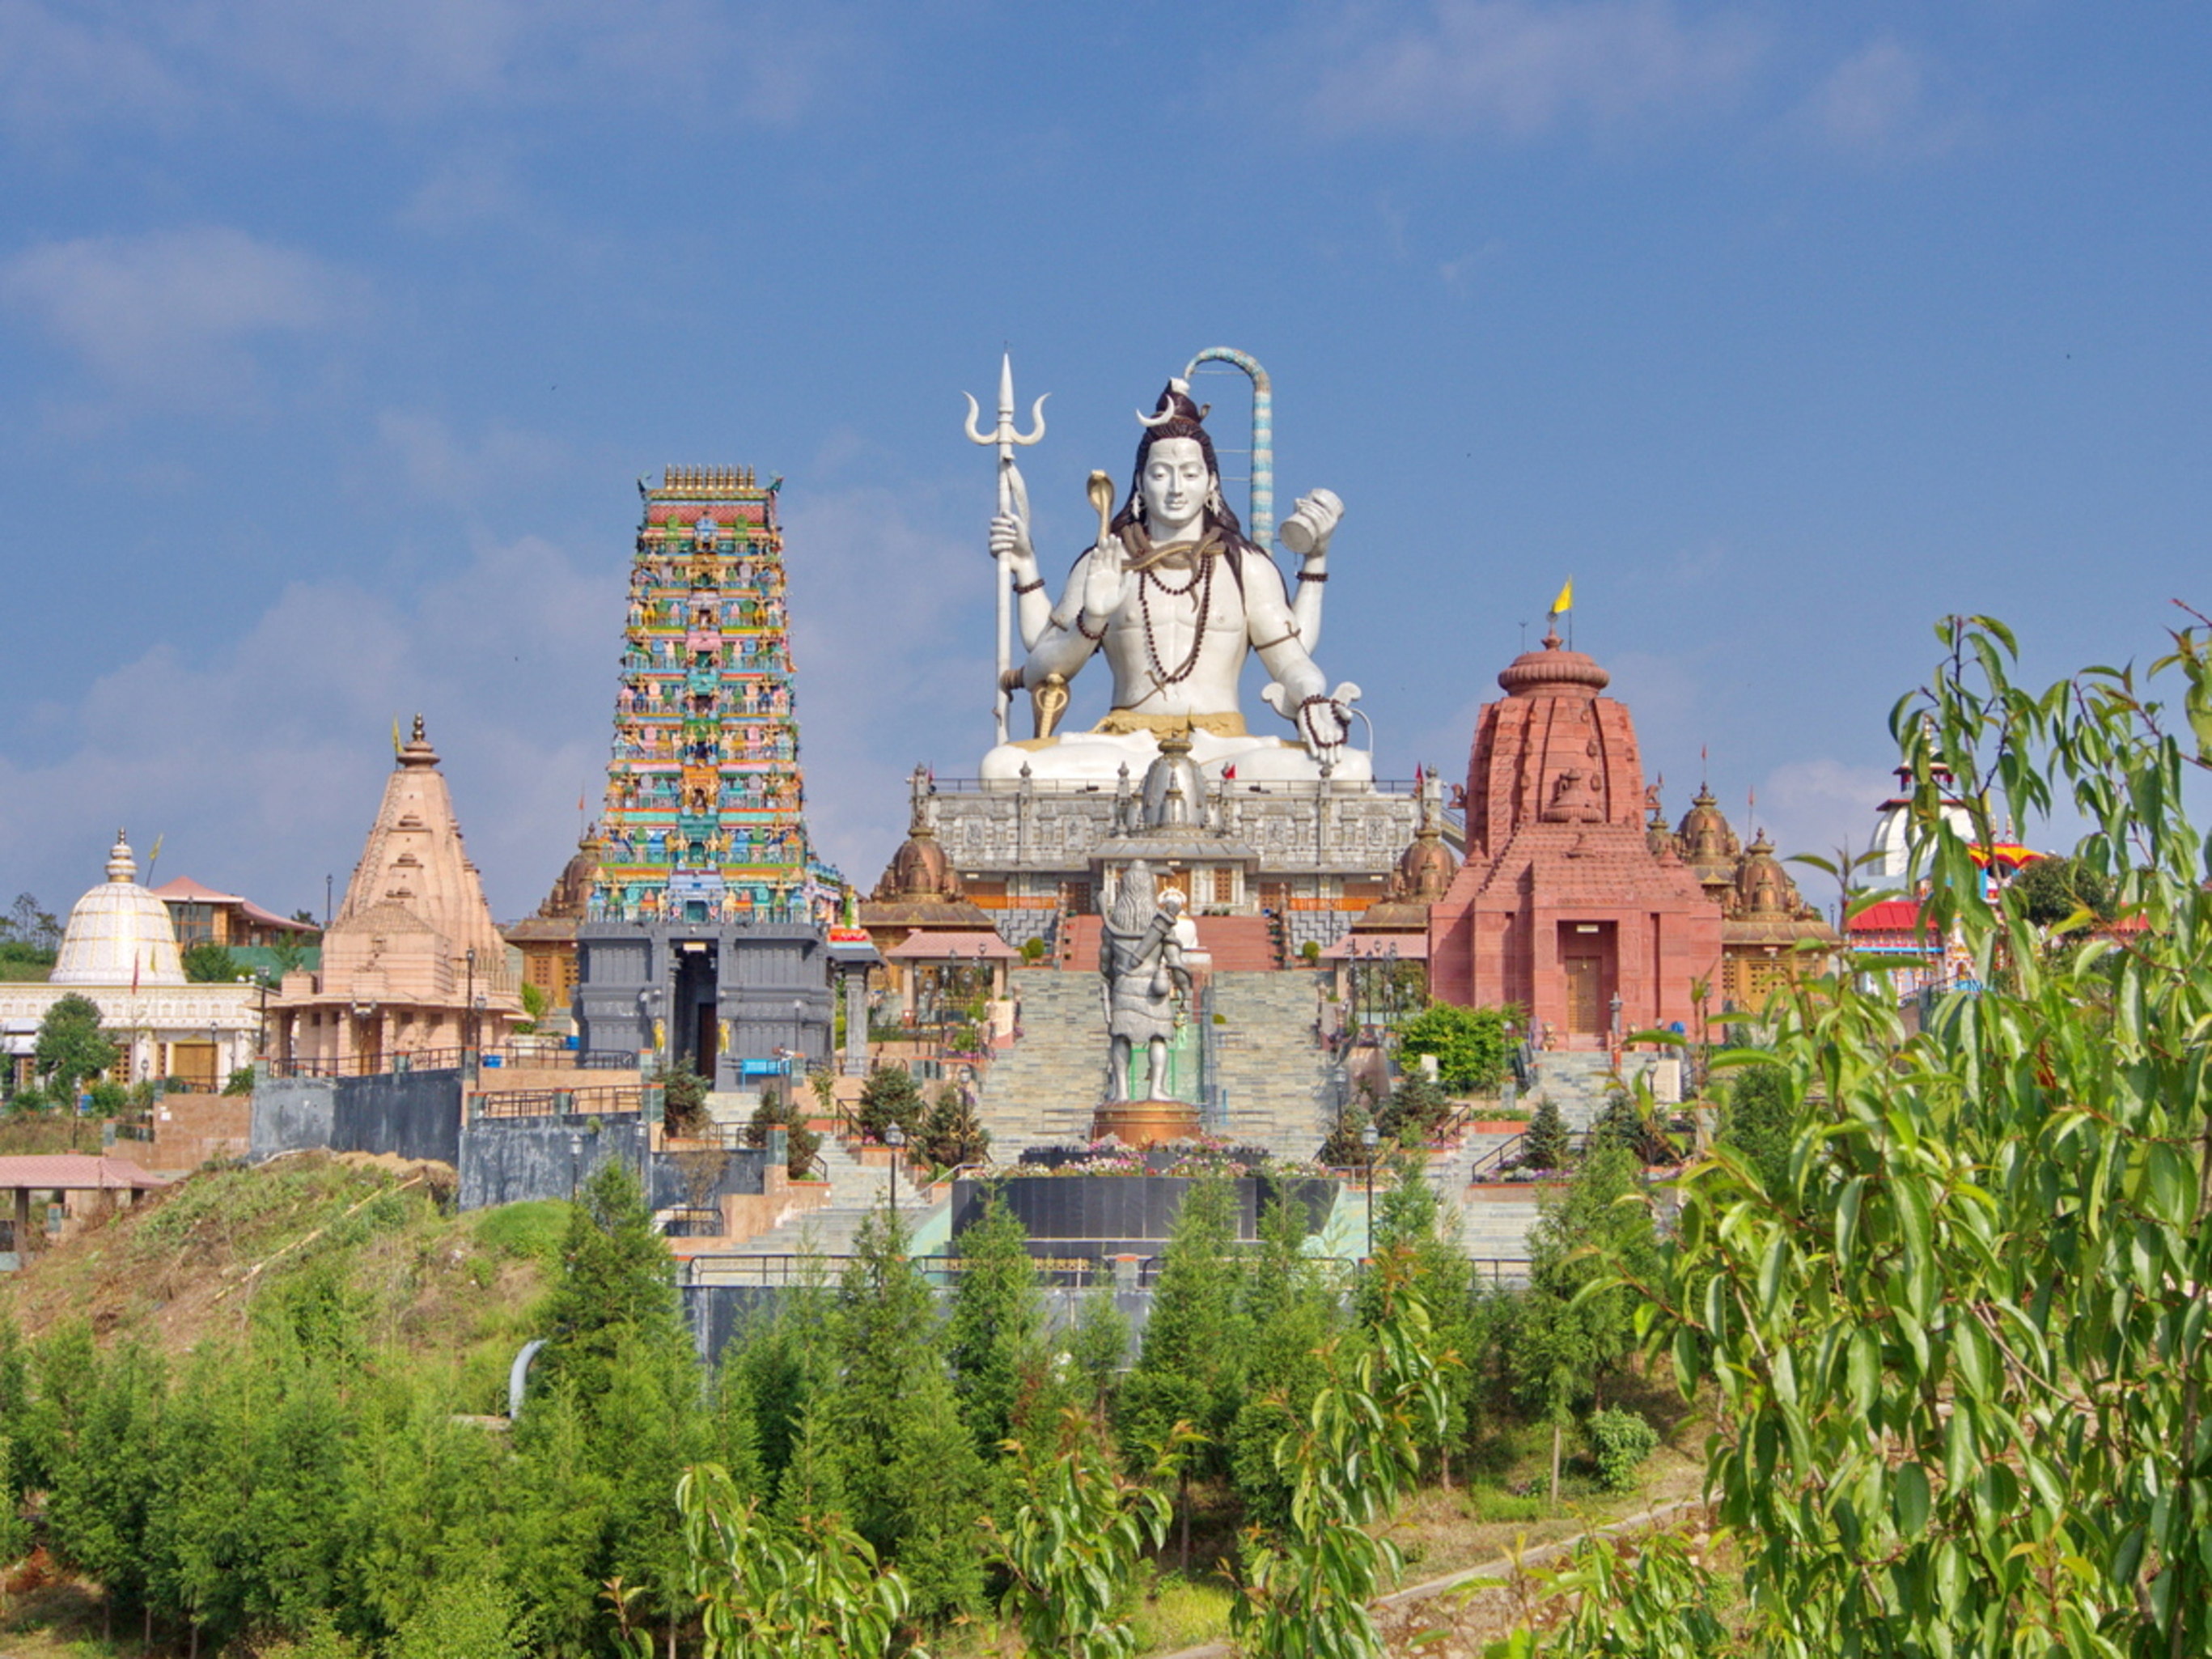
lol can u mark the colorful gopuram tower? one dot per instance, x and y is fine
(703, 817)
(705, 941)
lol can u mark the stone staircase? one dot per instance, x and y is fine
(1576, 1081)
(855, 1189)
(1498, 1226)
(1276, 1078)
(1042, 1090)
(1238, 944)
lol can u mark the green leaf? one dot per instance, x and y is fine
(1909, 1499)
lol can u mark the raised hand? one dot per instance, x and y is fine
(1103, 579)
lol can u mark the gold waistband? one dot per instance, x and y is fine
(1121, 722)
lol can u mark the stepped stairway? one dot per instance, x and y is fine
(1277, 1079)
(1238, 944)
(1576, 1081)
(1494, 1223)
(855, 1189)
(1042, 1090)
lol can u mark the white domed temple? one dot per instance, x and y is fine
(120, 951)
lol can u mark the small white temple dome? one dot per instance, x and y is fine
(119, 933)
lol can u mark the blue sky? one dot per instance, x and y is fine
(332, 338)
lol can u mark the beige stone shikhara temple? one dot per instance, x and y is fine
(412, 964)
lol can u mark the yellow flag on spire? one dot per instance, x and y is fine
(1566, 600)
(395, 734)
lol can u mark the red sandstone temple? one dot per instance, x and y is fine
(1565, 905)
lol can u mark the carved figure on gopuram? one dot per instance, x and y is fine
(1175, 597)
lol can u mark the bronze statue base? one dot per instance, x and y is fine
(1145, 1122)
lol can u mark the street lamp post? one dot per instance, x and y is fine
(575, 1160)
(469, 1003)
(1368, 1138)
(894, 1138)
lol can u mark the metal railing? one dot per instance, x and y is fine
(612, 1100)
(792, 1269)
(606, 1059)
(1504, 1156)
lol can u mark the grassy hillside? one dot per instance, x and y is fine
(375, 1238)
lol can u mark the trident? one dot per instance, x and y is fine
(1013, 501)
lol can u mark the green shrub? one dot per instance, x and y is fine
(239, 1082)
(529, 1231)
(779, 1108)
(1469, 1043)
(683, 1101)
(1620, 1441)
(952, 1134)
(209, 963)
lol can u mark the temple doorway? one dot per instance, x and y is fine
(1586, 962)
(697, 1028)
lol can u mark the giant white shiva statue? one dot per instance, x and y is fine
(1175, 596)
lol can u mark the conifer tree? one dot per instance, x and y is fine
(994, 1335)
(811, 1484)
(554, 1552)
(650, 1424)
(96, 1504)
(616, 1283)
(782, 1363)
(1098, 1350)
(891, 1388)
(1569, 1337)
(14, 1529)
(1544, 1144)
(1415, 1230)
(1287, 1312)
(467, 1618)
(426, 1497)
(733, 1434)
(1188, 1369)
(937, 1490)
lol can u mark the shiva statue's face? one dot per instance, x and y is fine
(1174, 487)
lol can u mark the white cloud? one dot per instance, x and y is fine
(174, 317)
(1817, 806)
(1877, 102)
(1520, 68)
(261, 758)
(57, 69)
(406, 61)
(905, 678)
(261, 762)
(441, 466)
